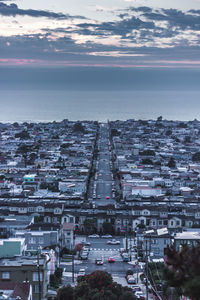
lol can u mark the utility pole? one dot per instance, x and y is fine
(147, 269)
(73, 256)
(73, 268)
(137, 258)
(38, 269)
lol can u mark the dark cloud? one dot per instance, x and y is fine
(136, 25)
(141, 9)
(194, 11)
(175, 18)
(121, 28)
(14, 10)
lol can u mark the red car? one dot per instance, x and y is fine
(107, 197)
(111, 260)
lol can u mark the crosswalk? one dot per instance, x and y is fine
(109, 249)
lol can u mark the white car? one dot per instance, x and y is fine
(113, 242)
(139, 295)
(93, 236)
(107, 236)
(131, 279)
(81, 272)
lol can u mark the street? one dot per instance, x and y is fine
(102, 190)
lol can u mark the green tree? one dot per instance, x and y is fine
(78, 127)
(23, 135)
(196, 157)
(183, 270)
(98, 285)
(168, 132)
(107, 227)
(147, 161)
(172, 163)
(148, 152)
(65, 293)
(89, 226)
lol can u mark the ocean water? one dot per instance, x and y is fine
(50, 105)
(48, 94)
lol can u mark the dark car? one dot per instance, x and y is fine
(99, 261)
(129, 272)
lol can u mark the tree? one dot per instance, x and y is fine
(24, 150)
(107, 227)
(98, 285)
(78, 127)
(89, 225)
(183, 270)
(159, 119)
(196, 157)
(168, 132)
(65, 293)
(172, 163)
(148, 152)
(187, 139)
(23, 135)
(147, 161)
(114, 132)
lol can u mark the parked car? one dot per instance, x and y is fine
(125, 257)
(81, 272)
(84, 255)
(99, 261)
(136, 288)
(111, 260)
(139, 295)
(129, 272)
(107, 236)
(87, 244)
(122, 250)
(85, 251)
(93, 236)
(113, 242)
(131, 279)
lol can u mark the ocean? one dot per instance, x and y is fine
(35, 96)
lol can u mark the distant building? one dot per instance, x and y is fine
(15, 291)
(67, 235)
(35, 239)
(189, 238)
(155, 241)
(12, 247)
(24, 269)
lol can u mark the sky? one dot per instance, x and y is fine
(104, 33)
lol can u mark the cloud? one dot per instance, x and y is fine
(137, 36)
(14, 10)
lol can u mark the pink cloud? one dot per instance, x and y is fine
(140, 64)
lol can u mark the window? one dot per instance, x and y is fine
(5, 275)
(71, 219)
(41, 240)
(32, 240)
(160, 222)
(36, 288)
(36, 277)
